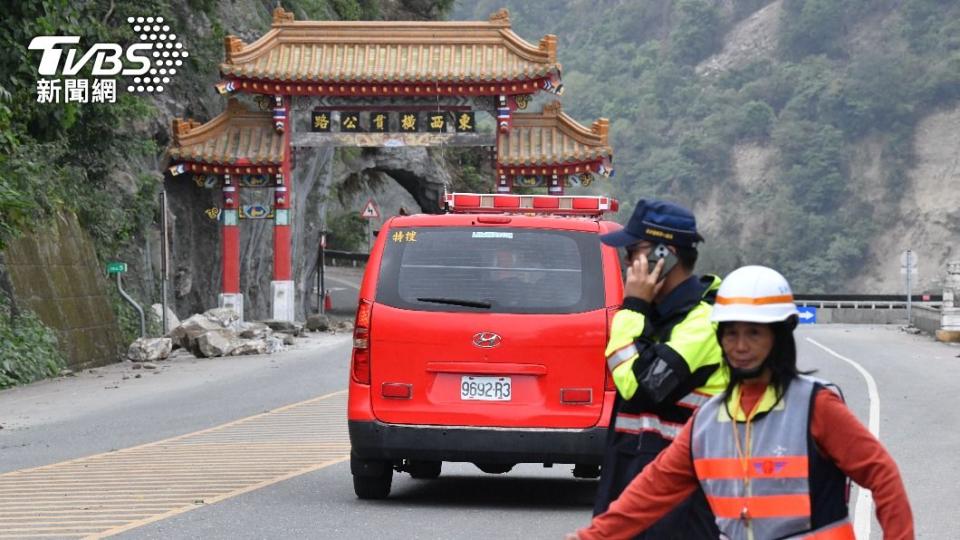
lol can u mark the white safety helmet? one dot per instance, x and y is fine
(754, 294)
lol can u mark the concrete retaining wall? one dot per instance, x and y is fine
(927, 319)
(56, 274)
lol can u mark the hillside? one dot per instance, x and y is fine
(816, 136)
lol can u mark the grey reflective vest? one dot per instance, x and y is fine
(765, 494)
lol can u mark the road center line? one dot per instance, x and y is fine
(864, 507)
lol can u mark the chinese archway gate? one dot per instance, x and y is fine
(377, 84)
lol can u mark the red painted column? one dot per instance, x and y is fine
(281, 197)
(230, 238)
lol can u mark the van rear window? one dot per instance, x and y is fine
(497, 270)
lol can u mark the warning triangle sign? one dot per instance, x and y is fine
(370, 210)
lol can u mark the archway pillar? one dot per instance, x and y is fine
(230, 296)
(282, 288)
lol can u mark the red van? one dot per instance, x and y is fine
(480, 336)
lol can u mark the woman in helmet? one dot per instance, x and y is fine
(779, 468)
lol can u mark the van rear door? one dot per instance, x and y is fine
(490, 326)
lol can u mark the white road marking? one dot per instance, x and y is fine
(862, 520)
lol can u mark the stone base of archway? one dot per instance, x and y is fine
(284, 300)
(233, 301)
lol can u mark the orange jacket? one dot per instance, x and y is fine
(839, 436)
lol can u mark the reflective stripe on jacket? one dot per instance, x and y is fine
(665, 362)
(765, 493)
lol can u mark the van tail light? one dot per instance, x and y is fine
(360, 364)
(576, 396)
(608, 384)
(396, 390)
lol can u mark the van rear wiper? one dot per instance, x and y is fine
(457, 302)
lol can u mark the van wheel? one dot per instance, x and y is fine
(371, 478)
(586, 471)
(424, 470)
(373, 487)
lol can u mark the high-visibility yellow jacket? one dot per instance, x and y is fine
(665, 361)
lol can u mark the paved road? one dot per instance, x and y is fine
(71, 418)
(109, 408)
(343, 282)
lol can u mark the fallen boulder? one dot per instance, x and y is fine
(287, 339)
(250, 346)
(150, 349)
(184, 335)
(225, 317)
(274, 345)
(317, 323)
(255, 330)
(213, 343)
(286, 327)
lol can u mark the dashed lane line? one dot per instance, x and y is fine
(109, 493)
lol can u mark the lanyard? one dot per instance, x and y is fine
(743, 455)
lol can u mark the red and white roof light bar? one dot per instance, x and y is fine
(570, 205)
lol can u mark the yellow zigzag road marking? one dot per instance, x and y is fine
(105, 494)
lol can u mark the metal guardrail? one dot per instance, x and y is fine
(335, 257)
(866, 301)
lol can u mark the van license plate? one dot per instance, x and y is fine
(485, 388)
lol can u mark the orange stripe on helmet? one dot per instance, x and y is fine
(758, 301)
(767, 506)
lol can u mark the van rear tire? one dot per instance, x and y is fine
(372, 479)
(373, 487)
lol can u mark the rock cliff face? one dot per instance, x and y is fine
(750, 40)
(924, 217)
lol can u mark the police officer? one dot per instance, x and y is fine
(774, 451)
(663, 356)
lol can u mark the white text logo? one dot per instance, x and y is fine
(151, 62)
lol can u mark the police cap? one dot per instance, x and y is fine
(658, 222)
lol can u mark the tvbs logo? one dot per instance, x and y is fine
(151, 62)
(106, 57)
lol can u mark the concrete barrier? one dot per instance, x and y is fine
(861, 316)
(927, 319)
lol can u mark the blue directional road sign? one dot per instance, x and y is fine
(808, 314)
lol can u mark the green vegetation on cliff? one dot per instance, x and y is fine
(28, 349)
(674, 127)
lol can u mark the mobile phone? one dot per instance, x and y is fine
(661, 251)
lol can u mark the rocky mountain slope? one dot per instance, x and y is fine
(925, 218)
(817, 136)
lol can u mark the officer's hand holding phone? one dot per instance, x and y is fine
(643, 282)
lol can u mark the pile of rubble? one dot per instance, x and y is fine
(217, 332)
